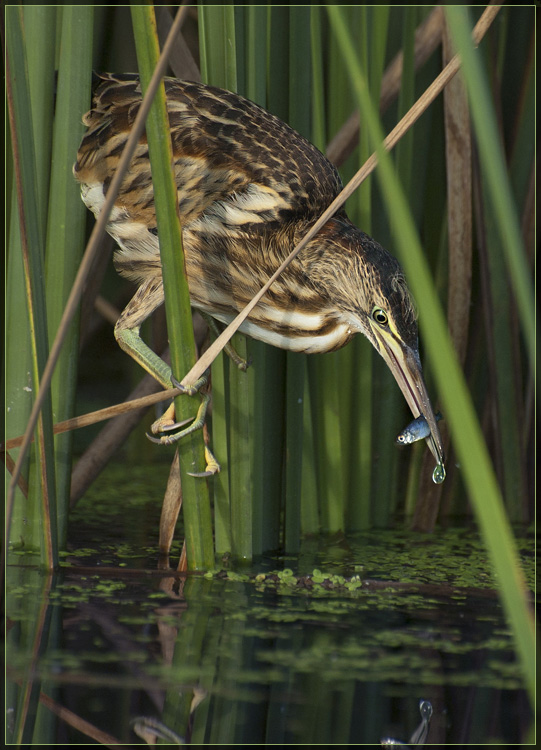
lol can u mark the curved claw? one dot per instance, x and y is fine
(234, 356)
(167, 424)
(191, 390)
(162, 423)
(243, 364)
(202, 474)
(173, 426)
(169, 439)
(157, 440)
(213, 467)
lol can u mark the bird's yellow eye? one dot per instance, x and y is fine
(380, 316)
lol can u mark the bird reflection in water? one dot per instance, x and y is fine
(421, 733)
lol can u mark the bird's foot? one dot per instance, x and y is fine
(167, 429)
(166, 423)
(212, 467)
(191, 390)
(234, 356)
(231, 352)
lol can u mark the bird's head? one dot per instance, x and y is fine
(367, 285)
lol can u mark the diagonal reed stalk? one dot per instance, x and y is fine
(263, 61)
(493, 162)
(470, 446)
(420, 106)
(506, 260)
(88, 258)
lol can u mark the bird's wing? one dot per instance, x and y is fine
(237, 166)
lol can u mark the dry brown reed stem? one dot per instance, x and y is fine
(427, 38)
(181, 59)
(459, 210)
(75, 721)
(85, 420)
(420, 106)
(116, 431)
(78, 723)
(107, 310)
(212, 352)
(172, 503)
(92, 248)
(459, 203)
(10, 466)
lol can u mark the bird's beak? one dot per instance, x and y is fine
(405, 365)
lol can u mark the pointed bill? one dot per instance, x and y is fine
(405, 365)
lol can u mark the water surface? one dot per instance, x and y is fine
(336, 645)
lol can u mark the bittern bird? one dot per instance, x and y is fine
(249, 187)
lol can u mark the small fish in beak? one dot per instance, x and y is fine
(416, 430)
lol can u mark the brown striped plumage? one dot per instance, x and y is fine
(249, 187)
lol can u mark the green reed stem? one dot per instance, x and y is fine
(39, 25)
(220, 439)
(319, 138)
(278, 61)
(387, 399)
(196, 503)
(300, 118)
(20, 112)
(40, 35)
(268, 362)
(222, 65)
(209, 49)
(246, 500)
(471, 449)
(67, 223)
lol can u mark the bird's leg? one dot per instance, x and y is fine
(197, 424)
(167, 422)
(212, 465)
(234, 356)
(148, 298)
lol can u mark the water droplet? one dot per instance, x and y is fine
(439, 474)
